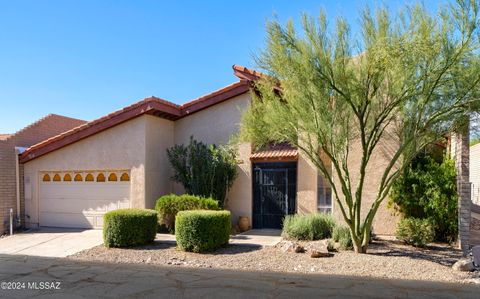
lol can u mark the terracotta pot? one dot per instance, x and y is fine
(244, 223)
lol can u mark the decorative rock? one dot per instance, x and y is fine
(463, 265)
(476, 255)
(290, 246)
(318, 249)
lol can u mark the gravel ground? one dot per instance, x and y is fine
(386, 259)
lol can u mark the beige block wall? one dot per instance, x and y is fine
(385, 221)
(120, 147)
(8, 199)
(306, 186)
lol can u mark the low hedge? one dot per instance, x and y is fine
(202, 230)
(415, 231)
(129, 227)
(168, 206)
(308, 227)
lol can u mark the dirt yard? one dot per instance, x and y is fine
(385, 259)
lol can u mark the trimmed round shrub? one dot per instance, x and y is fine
(202, 230)
(168, 206)
(415, 231)
(308, 227)
(129, 227)
(341, 234)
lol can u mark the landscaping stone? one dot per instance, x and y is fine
(476, 255)
(406, 263)
(289, 246)
(465, 265)
(318, 249)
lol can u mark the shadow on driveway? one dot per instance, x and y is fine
(109, 280)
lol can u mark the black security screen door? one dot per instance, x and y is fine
(274, 193)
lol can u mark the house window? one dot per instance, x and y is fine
(324, 195)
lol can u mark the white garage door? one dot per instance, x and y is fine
(79, 199)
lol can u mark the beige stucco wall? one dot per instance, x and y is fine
(120, 147)
(159, 137)
(217, 125)
(239, 198)
(214, 125)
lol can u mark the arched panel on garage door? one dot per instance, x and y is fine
(78, 203)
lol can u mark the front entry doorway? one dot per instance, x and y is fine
(274, 193)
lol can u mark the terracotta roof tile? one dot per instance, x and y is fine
(151, 105)
(277, 151)
(245, 73)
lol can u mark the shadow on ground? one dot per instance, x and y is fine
(80, 279)
(443, 255)
(228, 249)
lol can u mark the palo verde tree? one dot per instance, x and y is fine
(406, 78)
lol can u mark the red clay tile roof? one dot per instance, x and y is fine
(45, 127)
(152, 105)
(281, 151)
(245, 73)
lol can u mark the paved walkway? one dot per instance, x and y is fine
(51, 242)
(101, 280)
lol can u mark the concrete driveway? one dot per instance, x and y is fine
(50, 242)
(62, 242)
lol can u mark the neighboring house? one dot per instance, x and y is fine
(475, 181)
(11, 173)
(475, 173)
(120, 161)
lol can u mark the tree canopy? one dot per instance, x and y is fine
(410, 77)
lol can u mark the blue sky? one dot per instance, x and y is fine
(85, 59)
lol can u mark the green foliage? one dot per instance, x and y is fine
(416, 232)
(168, 206)
(129, 227)
(200, 230)
(474, 141)
(341, 234)
(407, 79)
(308, 227)
(207, 171)
(427, 190)
(330, 245)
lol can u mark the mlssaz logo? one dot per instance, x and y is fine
(44, 285)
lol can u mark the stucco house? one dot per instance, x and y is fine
(120, 161)
(11, 171)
